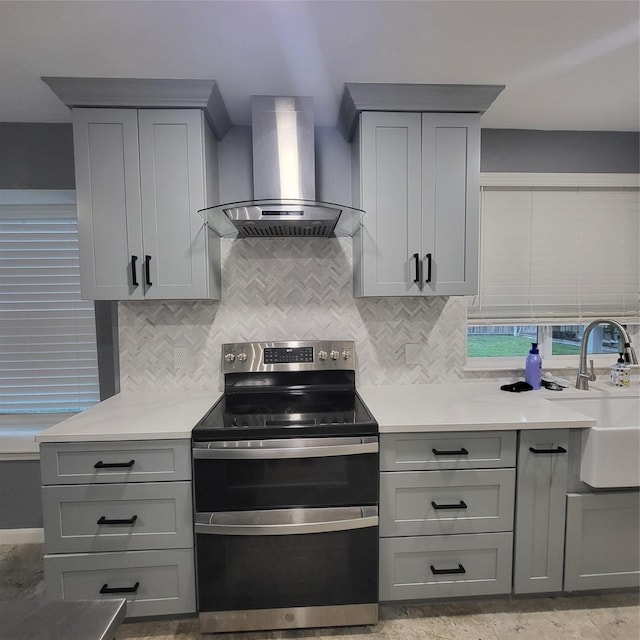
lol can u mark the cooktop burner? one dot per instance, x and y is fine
(287, 390)
(286, 417)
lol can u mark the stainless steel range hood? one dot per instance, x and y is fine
(283, 180)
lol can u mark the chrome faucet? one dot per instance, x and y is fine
(584, 375)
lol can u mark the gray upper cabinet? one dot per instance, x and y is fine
(141, 176)
(417, 177)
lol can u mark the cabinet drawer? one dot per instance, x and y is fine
(153, 582)
(104, 462)
(463, 450)
(416, 503)
(117, 517)
(445, 566)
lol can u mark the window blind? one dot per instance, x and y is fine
(558, 255)
(48, 360)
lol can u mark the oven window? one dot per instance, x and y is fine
(277, 571)
(247, 485)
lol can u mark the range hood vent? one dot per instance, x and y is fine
(284, 202)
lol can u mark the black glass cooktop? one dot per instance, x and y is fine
(291, 414)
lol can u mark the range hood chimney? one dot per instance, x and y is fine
(284, 187)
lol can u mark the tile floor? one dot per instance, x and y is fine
(613, 616)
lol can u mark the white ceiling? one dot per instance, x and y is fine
(566, 64)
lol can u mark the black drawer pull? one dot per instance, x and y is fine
(440, 572)
(107, 589)
(460, 452)
(105, 520)
(416, 258)
(147, 271)
(113, 465)
(134, 277)
(428, 278)
(556, 450)
(461, 505)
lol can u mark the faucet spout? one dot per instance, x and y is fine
(584, 375)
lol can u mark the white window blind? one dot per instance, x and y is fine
(48, 361)
(553, 255)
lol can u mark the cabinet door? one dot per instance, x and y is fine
(603, 541)
(390, 193)
(450, 203)
(172, 175)
(540, 511)
(108, 196)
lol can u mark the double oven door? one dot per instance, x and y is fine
(286, 532)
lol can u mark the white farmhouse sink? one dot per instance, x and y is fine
(611, 449)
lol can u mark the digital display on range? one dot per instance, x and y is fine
(282, 355)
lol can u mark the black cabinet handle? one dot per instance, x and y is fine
(440, 572)
(416, 257)
(147, 272)
(113, 465)
(107, 589)
(428, 257)
(105, 520)
(134, 275)
(461, 505)
(556, 450)
(460, 452)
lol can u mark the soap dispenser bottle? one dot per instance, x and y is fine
(533, 367)
(620, 373)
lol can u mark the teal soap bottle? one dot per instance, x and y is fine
(533, 367)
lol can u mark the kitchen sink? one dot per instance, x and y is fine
(611, 449)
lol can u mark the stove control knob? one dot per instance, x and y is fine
(322, 355)
(346, 354)
(334, 355)
(230, 357)
(241, 357)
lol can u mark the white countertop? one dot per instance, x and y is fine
(469, 406)
(135, 416)
(461, 406)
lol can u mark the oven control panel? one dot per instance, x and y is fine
(298, 355)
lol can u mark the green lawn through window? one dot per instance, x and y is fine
(485, 346)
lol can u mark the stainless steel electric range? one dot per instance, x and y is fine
(285, 476)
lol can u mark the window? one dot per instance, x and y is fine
(48, 360)
(510, 341)
(553, 259)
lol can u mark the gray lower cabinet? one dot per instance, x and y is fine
(446, 514)
(118, 523)
(153, 582)
(540, 511)
(106, 462)
(117, 517)
(414, 503)
(445, 566)
(603, 541)
(447, 450)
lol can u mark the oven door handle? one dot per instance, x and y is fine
(285, 522)
(265, 449)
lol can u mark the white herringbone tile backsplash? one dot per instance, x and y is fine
(295, 289)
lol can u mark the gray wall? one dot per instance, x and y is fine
(36, 156)
(20, 496)
(530, 151)
(40, 156)
(32, 156)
